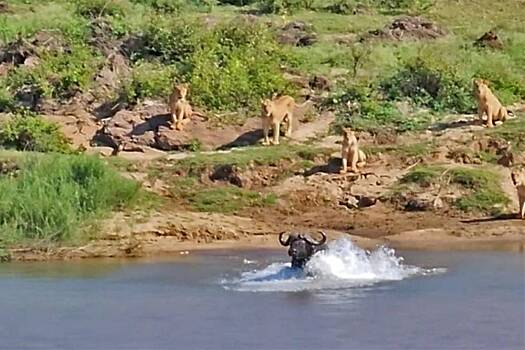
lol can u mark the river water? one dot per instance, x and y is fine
(347, 299)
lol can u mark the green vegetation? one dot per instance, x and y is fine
(185, 177)
(31, 133)
(223, 198)
(232, 61)
(512, 131)
(51, 198)
(228, 199)
(482, 188)
(200, 162)
(423, 175)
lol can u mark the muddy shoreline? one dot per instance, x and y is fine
(422, 240)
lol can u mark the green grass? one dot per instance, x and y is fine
(228, 71)
(423, 175)
(259, 155)
(184, 176)
(229, 199)
(512, 131)
(417, 149)
(219, 198)
(53, 198)
(483, 192)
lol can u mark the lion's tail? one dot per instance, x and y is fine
(199, 114)
(305, 103)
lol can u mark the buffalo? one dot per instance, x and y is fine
(302, 247)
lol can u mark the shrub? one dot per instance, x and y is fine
(232, 66)
(237, 2)
(52, 196)
(31, 133)
(59, 75)
(6, 100)
(482, 186)
(284, 6)
(150, 79)
(403, 5)
(97, 8)
(486, 194)
(343, 7)
(363, 108)
(167, 6)
(426, 86)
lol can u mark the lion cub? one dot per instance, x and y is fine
(488, 103)
(350, 152)
(519, 181)
(180, 108)
(274, 112)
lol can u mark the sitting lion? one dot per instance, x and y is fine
(274, 112)
(518, 179)
(488, 103)
(180, 108)
(350, 152)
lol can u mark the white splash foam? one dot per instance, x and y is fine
(342, 265)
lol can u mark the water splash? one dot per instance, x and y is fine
(341, 265)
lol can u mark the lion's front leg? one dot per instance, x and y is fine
(355, 158)
(289, 125)
(180, 118)
(490, 118)
(276, 132)
(266, 131)
(344, 159)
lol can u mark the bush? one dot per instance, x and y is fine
(150, 79)
(482, 186)
(31, 133)
(52, 196)
(284, 6)
(364, 108)
(486, 193)
(167, 6)
(403, 5)
(176, 6)
(232, 66)
(97, 8)
(426, 86)
(59, 75)
(237, 2)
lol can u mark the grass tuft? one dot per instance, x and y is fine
(51, 196)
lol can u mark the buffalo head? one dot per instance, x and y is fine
(301, 247)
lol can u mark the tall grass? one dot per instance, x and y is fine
(50, 197)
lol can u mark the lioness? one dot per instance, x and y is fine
(519, 181)
(180, 108)
(488, 103)
(275, 111)
(350, 152)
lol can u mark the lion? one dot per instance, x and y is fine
(488, 103)
(350, 152)
(180, 108)
(275, 111)
(518, 179)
